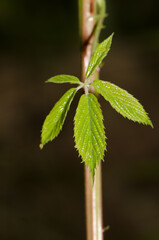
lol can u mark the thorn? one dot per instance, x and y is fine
(106, 228)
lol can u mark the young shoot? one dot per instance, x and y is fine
(89, 134)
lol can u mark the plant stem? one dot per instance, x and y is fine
(90, 26)
(86, 25)
(93, 195)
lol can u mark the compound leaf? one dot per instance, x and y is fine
(89, 131)
(55, 119)
(122, 102)
(64, 79)
(100, 53)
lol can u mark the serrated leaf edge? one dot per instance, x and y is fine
(147, 122)
(51, 80)
(70, 101)
(90, 72)
(104, 140)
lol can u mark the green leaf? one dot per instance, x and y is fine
(64, 79)
(55, 120)
(89, 131)
(100, 53)
(122, 102)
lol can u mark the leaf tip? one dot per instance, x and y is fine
(93, 175)
(150, 123)
(50, 80)
(112, 34)
(92, 172)
(41, 146)
(111, 37)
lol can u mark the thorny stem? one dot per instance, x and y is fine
(90, 24)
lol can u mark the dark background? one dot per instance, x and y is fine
(42, 192)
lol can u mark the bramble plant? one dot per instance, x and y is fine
(89, 131)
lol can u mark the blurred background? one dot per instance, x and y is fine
(42, 192)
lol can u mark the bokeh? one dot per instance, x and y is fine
(42, 191)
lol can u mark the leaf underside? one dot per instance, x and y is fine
(89, 131)
(63, 79)
(100, 53)
(123, 102)
(55, 119)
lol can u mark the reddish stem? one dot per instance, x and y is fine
(93, 193)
